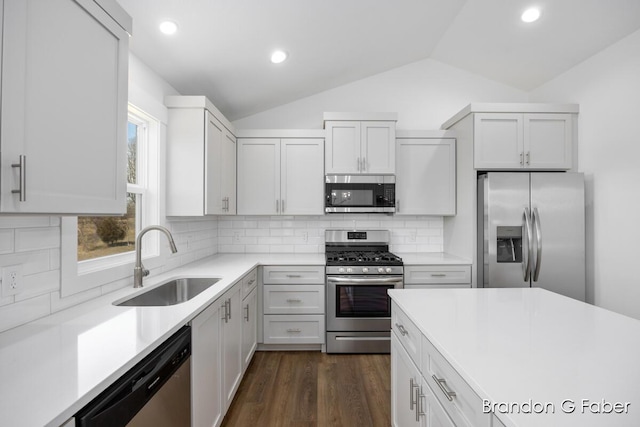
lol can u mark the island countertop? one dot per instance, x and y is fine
(518, 345)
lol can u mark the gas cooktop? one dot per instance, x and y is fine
(375, 258)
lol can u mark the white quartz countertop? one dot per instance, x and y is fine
(531, 345)
(52, 367)
(432, 258)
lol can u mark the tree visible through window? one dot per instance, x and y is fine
(100, 236)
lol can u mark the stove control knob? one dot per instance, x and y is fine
(341, 270)
(365, 270)
(349, 270)
(380, 270)
(388, 270)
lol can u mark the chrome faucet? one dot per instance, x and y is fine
(139, 271)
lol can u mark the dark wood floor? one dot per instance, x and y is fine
(296, 389)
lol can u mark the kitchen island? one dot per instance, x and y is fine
(514, 357)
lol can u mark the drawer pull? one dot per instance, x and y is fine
(296, 330)
(412, 385)
(438, 275)
(420, 405)
(250, 282)
(294, 300)
(441, 382)
(294, 276)
(402, 330)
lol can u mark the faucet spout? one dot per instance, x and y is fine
(139, 271)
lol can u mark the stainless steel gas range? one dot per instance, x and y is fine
(360, 269)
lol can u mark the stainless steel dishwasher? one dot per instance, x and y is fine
(156, 392)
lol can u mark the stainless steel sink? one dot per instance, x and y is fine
(171, 293)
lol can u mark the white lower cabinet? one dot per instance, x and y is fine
(217, 359)
(412, 400)
(425, 389)
(437, 276)
(293, 303)
(249, 327)
(206, 357)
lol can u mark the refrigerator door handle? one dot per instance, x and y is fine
(527, 249)
(535, 218)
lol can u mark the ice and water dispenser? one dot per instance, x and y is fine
(509, 244)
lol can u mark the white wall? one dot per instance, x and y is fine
(424, 94)
(34, 241)
(607, 87)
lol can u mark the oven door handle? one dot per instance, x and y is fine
(356, 281)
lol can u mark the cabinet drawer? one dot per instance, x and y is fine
(294, 329)
(407, 332)
(437, 274)
(249, 282)
(292, 299)
(299, 275)
(465, 408)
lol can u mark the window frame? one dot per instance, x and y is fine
(80, 276)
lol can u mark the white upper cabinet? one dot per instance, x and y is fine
(64, 107)
(280, 176)
(201, 159)
(425, 174)
(516, 141)
(360, 146)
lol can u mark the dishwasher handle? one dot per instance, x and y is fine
(121, 401)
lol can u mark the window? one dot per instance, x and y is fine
(100, 249)
(100, 236)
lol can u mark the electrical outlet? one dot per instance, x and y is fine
(11, 280)
(305, 236)
(413, 236)
(236, 236)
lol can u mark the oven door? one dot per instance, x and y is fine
(360, 303)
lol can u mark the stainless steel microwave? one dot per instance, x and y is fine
(360, 194)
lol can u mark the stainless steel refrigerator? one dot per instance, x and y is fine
(531, 231)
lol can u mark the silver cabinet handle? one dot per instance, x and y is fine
(250, 282)
(277, 205)
(438, 275)
(398, 206)
(522, 158)
(282, 205)
(358, 164)
(402, 330)
(526, 247)
(535, 219)
(296, 330)
(22, 190)
(412, 385)
(225, 315)
(246, 317)
(294, 300)
(528, 157)
(293, 276)
(229, 302)
(364, 164)
(441, 382)
(419, 405)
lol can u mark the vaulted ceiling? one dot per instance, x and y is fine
(222, 47)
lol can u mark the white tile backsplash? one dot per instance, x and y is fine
(34, 243)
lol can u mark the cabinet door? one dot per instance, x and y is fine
(548, 141)
(258, 176)
(213, 167)
(498, 141)
(249, 327)
(302, 184)
(378, 150)
(405, 385)
(206, 397)
(228, 173)
(426, 177)
(64, 108)
(342, 154)
(231, 344)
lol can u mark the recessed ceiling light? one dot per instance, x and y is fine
(278, 56)
(168, 27)
(530, 15)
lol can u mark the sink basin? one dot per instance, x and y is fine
(171, 293)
